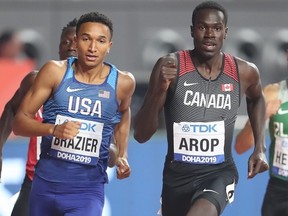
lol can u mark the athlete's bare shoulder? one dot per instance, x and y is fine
(246, 67)
(126, 83)
(126, 76)
(29, 78)
(56, 64)
(33, 73)
(51, 73)
(249, 74)
(53, 68)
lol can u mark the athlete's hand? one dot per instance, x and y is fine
(67, 130)
(272, 107)
(123, 168)
(257, 164)
(168, 72)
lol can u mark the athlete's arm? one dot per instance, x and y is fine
(251, 85)
(245, 138)
(146, 120)
(113, 153)
(10, 109)
(125, 90)
(44, 85)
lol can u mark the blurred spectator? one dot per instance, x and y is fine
(10, 45)
(14, 64)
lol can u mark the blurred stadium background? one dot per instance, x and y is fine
(143, 31)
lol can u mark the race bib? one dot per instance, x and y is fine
(84, 148)
(280, 157)
(199, 142)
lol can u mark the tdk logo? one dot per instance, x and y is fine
(203, 128)
(88, 127)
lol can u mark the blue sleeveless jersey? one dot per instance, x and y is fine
(85, 158)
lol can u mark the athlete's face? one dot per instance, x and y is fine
(209, 32)
(67, 46)
(93, 43)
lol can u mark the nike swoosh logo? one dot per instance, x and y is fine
(189, 84)
(73, 90)
(282, 112)
(208, 190)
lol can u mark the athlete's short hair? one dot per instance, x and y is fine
(95, 17)
(71, 24)
(210, 5)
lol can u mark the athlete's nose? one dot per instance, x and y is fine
(93, 46)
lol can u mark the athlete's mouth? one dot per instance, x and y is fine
(91, 57)
(209, 45)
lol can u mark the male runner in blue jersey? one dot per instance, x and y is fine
(84, 101)
(200, 91)
(66, 48)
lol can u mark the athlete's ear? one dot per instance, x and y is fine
(191, 31)
(110, 45)
(226, 32)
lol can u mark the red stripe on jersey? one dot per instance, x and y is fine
(230, 67)
(33, 150)
(186, 64)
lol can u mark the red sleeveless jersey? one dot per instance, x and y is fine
(33, 150)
